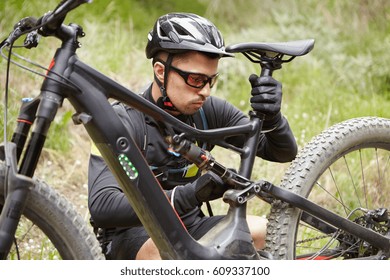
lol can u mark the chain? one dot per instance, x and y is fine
(314, 238)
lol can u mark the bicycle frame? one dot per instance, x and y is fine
(88, 91)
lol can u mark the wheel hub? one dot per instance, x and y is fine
(376, 220)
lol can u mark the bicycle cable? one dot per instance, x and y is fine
(67, 82)
(6, 93)
(5, 134)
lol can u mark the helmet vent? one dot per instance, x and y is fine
(174, 37)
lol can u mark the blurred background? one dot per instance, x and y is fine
(346, 75)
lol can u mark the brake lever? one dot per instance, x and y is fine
(32, 40)
(23, 26)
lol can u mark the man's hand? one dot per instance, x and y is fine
(206, 188)
(209, 187)
(266, 96)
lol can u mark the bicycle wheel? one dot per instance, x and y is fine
(346, 170)
(50, 228)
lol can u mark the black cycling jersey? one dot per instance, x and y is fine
(109, 206)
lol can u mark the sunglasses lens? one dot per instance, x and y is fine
(196, 80)
(199, 80)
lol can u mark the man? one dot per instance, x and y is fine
(185, 50)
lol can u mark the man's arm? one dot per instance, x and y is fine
(277, 145)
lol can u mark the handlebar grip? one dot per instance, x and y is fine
(24, 25)
(52, 21)
(47, 24)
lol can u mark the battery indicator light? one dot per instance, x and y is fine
(128, 167)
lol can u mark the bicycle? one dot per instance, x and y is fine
(352, 230)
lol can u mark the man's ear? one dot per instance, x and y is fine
(159, 70)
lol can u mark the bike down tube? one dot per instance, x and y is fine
(128, 164)
(329, 217)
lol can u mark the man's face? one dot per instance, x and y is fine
(186, 98)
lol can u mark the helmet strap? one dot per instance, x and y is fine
(164, 102)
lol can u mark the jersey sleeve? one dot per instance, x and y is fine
(278, 145)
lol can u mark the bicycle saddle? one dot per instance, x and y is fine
(291, 48)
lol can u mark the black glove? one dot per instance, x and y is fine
(266, 96)
(206, 188)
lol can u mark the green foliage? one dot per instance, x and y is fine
(59, 138)
(345, 76)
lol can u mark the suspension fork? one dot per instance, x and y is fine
(16, 190)
(18, 184)
(47, 109)
(40, 112)
(25, 119)
(53, 92)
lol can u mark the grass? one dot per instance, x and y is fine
(345, 76)
(32, 244)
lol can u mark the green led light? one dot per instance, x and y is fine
(128, 166)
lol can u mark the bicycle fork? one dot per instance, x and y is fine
(17, 187)
(18, 183)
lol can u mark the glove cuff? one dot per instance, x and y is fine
(272, 122)
(183, 199)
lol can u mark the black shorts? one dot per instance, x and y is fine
(127, 242)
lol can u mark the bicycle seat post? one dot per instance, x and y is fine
(233, 229)
(256, 118)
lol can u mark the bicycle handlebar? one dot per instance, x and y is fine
(47, 24)
(52, 21)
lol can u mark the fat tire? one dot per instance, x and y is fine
(57, 218)
(310, 163)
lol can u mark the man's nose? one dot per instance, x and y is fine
(205, 91)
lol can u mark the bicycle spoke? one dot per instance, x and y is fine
(363, 178)
(328, 192)
(353, 183)
(345, 170)
(338, 192)
(368, 165)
